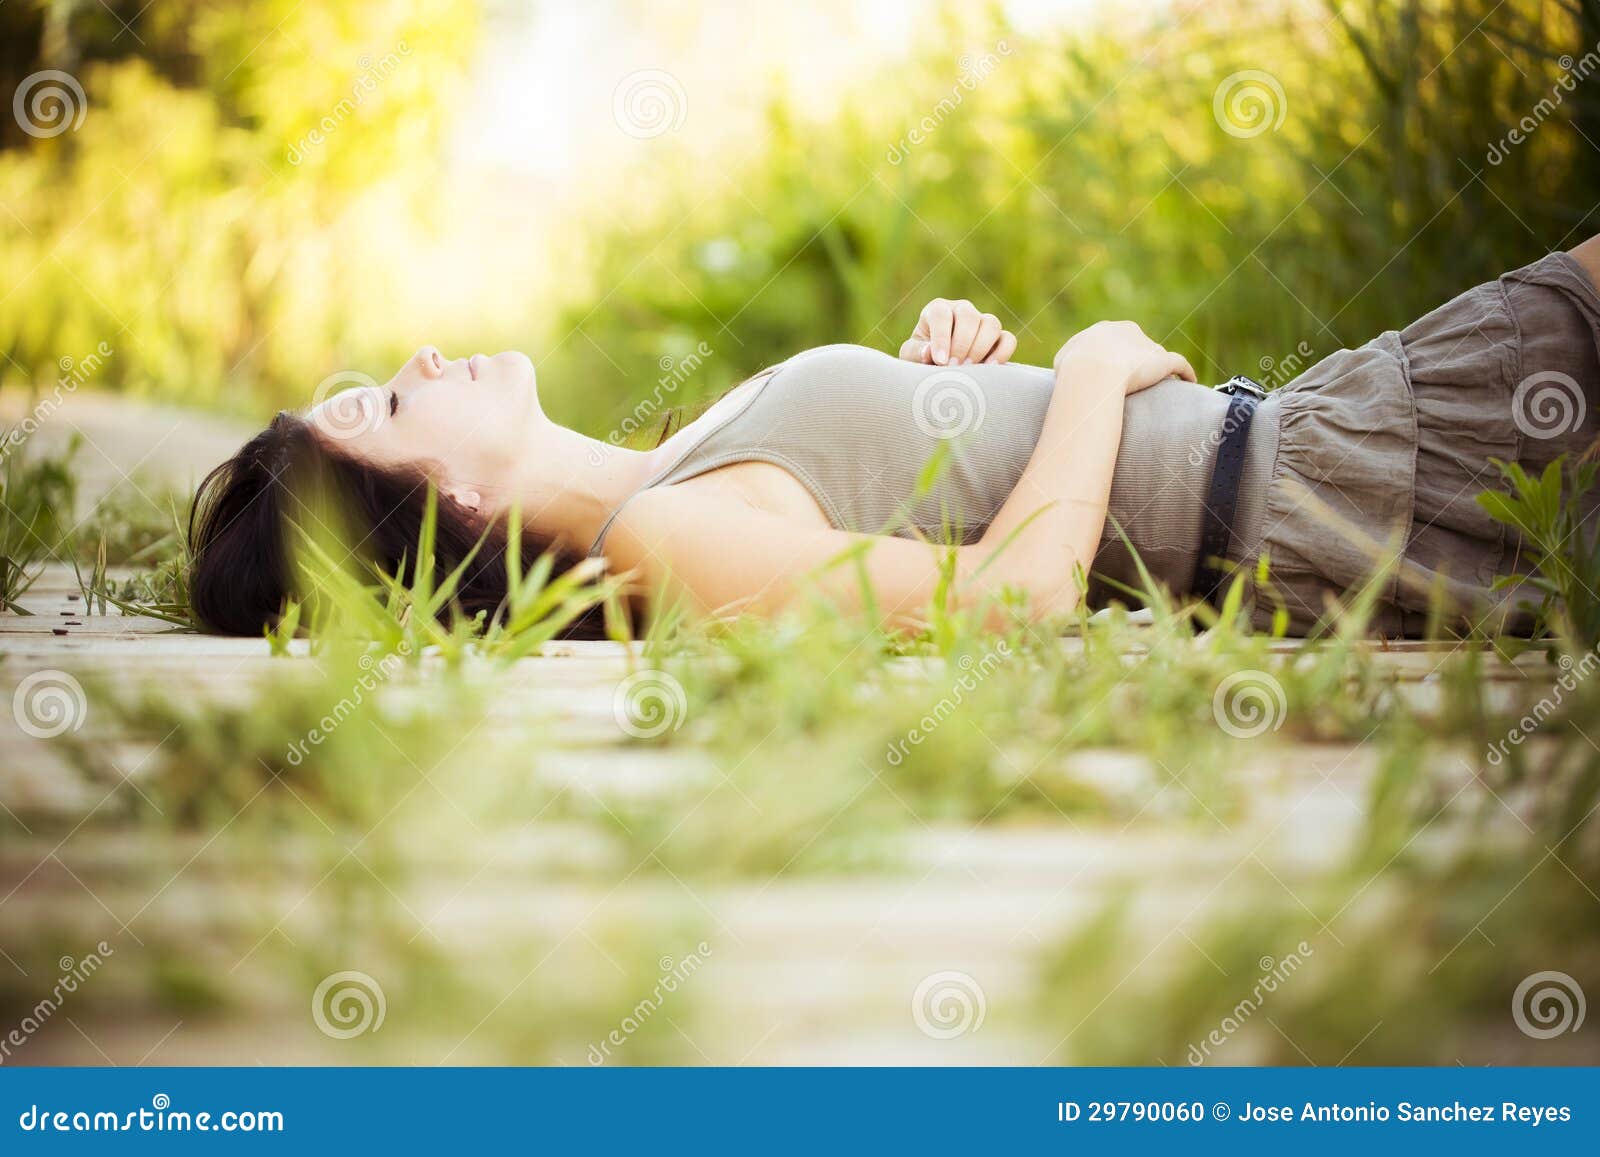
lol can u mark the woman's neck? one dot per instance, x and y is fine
(569, 484)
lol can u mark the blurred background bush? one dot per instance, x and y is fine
(251, 197)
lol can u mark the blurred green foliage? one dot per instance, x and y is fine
(186, 220)
(1088, 175)
(1058, 178)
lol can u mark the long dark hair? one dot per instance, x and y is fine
(244, 512)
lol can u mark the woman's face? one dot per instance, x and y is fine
(468, 421)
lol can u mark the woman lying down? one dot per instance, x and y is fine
(1360, 472)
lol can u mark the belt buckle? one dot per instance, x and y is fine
(1239, 384)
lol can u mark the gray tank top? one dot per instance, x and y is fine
(887, 446)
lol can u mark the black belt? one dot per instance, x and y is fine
(1223, 500)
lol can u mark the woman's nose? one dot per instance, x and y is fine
(430, 361)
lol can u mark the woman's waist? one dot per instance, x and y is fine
(1161, 488)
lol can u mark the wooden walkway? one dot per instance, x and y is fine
(801, 969)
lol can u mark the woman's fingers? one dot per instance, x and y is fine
(1165, 364)
(1004, 347)
(953, 333)
(940, 316)
(964, 335)
(1126, 351)
(984, 340)
(1158, 367)
(1000, 350)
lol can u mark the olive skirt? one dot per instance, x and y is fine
(1382, 450)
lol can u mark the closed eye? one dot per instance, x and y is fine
(394, 402)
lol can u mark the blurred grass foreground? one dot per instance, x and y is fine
(387, 838)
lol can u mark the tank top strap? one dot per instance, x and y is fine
(681, 467)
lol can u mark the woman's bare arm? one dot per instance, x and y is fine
(727, 557)
(1050, 524)
(1588, 256)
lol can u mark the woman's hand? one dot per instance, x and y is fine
(953, 333)
(1120, 352)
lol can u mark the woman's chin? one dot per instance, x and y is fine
(507, 370)
(517, 364)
